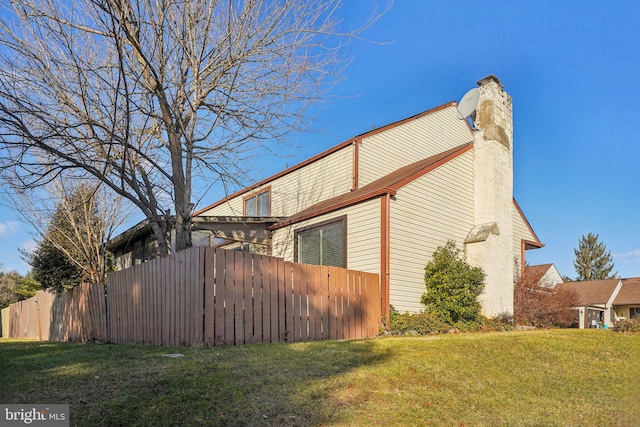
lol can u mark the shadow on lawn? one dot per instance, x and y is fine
(295, 384)
(262, 384)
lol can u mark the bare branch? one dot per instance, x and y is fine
(139, 95)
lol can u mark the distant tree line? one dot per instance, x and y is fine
(15, 287)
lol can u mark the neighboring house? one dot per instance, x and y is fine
(543, 275)
(627, 303)
(596, 301)
(385, 200)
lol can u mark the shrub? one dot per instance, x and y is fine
(452, 286)
(428, 323)
(543, 307)
(502, 322)
(417, 323)
(630, 325)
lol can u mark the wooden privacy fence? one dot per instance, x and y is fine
(219, 297)
(215, 297)
(76, 315)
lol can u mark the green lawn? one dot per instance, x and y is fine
(534, 378)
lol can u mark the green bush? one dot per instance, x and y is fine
(631, 325)
(452, 286)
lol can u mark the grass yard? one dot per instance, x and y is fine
(534, 378)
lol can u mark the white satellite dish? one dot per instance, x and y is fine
(468, 103)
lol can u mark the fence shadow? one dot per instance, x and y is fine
(300, 384)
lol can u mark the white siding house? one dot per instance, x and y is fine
(387, 149)
(383, 202)
(413, 239)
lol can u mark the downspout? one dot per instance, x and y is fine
(385, 252)
(355, 164)
(522, 260)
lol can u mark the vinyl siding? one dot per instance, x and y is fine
(301, 188)
(520, 232)
(399, 146)
(323, 179)
(424, 215)
(363, 236)
(232, 207)
(332, 175)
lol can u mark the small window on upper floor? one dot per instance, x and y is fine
(258, 204)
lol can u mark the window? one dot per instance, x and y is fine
(258, 204)
(322, 244)
(634, 312)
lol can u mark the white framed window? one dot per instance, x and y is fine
(323, 244)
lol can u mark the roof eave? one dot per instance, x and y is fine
(391, 189)
(526, 221)
(128, 235)
(530, 244)
(331, 208)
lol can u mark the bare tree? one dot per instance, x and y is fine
(75, 218)
(148, 96)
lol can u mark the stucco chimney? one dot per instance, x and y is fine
(490, 244)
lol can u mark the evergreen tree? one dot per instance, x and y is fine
(53, 269)
(593, 260)
(453, 286)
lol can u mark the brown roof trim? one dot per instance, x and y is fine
(526, 221)
(403, 121)
(388, 184)
(452, 154)
(325, 153)
(277, 175)
(342, 204)
(529, 244)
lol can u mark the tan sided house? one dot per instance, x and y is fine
(595, 299)
(384, 200)
(601, 302)
(626, 305)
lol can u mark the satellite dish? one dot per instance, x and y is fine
(468, 103)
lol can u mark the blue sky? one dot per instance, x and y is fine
(573, 71)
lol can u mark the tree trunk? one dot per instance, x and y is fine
(159, 231)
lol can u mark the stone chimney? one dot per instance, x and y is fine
(490, 243)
